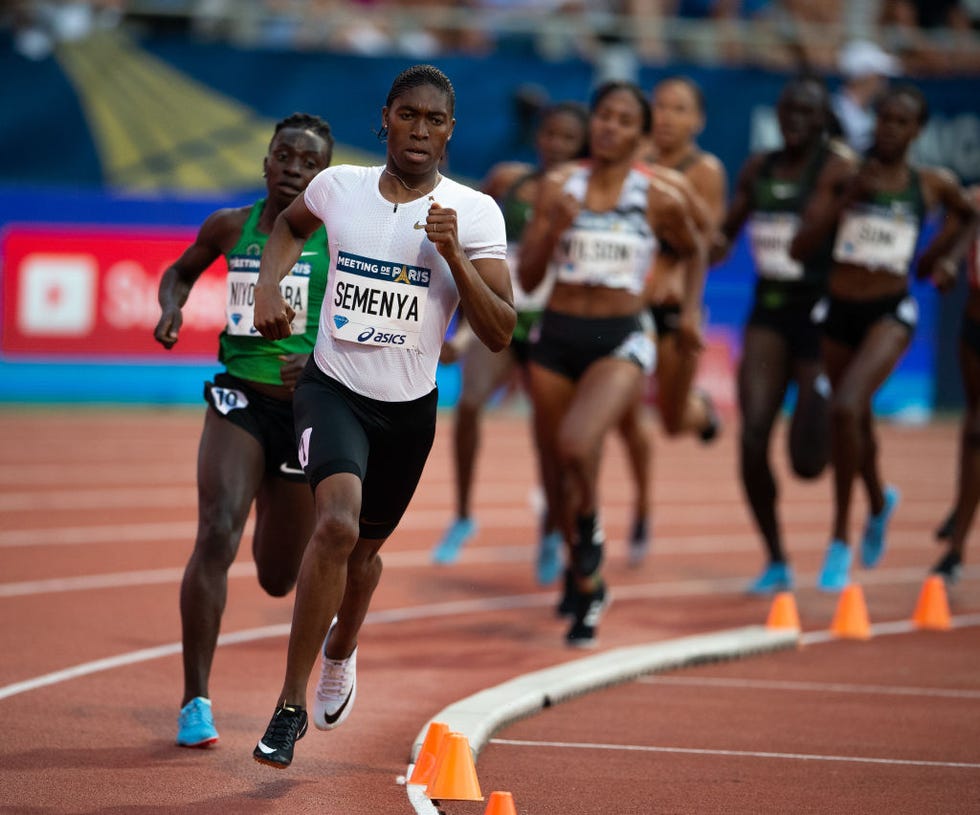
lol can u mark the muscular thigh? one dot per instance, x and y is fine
(872, 362)
(230, 467)
(551, 394)
(675, 369)
(602, 397)
(764, 372)
(483, 372)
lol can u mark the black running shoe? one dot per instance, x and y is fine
(949, 567)
(566, 606)
(287, 727)
(589, 608)
(710, 431)
(945, 530)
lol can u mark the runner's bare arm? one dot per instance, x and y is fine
(179, 278)
(940, 260)
(673, 221)
(553, 212)
(484, 286)
(739, 210)
(839, 184)
(292, 229)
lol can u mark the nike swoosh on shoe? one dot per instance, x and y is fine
(332, 718)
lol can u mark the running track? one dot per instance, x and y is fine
(98, 516)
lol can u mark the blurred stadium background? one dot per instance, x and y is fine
(125, 123)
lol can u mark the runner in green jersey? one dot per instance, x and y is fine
(781, 343)
(248, 449)
(870, 313)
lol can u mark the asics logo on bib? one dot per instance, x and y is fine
(381, 337)
(418, 225)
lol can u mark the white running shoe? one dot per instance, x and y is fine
(336, 690)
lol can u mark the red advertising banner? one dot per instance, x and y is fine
(92, 291)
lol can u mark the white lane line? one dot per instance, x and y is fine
(102, 498)
(485, 554)
(885, 629)
(494, 522)
(967, 765)
(106, 533)
(430, 611)
(114, 580)
(817, 687)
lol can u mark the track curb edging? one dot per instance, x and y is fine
(480, 715)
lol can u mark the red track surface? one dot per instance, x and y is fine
(98, 517)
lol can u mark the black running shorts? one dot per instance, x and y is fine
(568, 344)
(790, 313)
(848, 321)
(385, 444)
(268, 419)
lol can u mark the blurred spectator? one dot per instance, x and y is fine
(933, 36)
(865, 69)
(614, 35)
(617, 36)
(928, 14)
(723, 40)
(39, 26)
(814, 31)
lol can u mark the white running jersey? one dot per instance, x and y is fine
(390, 294)
(614, 249)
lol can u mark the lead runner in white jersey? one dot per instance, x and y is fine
(390, 293)
(406, 247)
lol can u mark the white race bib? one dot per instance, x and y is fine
(240, 300)
(377, 302)
(874, 240)
(604, 258)
(770, 234)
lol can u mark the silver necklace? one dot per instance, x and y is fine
(408, 187)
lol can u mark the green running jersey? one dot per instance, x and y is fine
(243, 351)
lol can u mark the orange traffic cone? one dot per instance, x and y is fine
(932, 608)
(851, 618)
(455, 773)
(500, 803)
(425, 763)
(782, 612)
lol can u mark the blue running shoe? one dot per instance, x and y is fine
(549, 565)
(873, 542)
(448, 549)
(195, 725)
(777, 577)
(834, 576)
